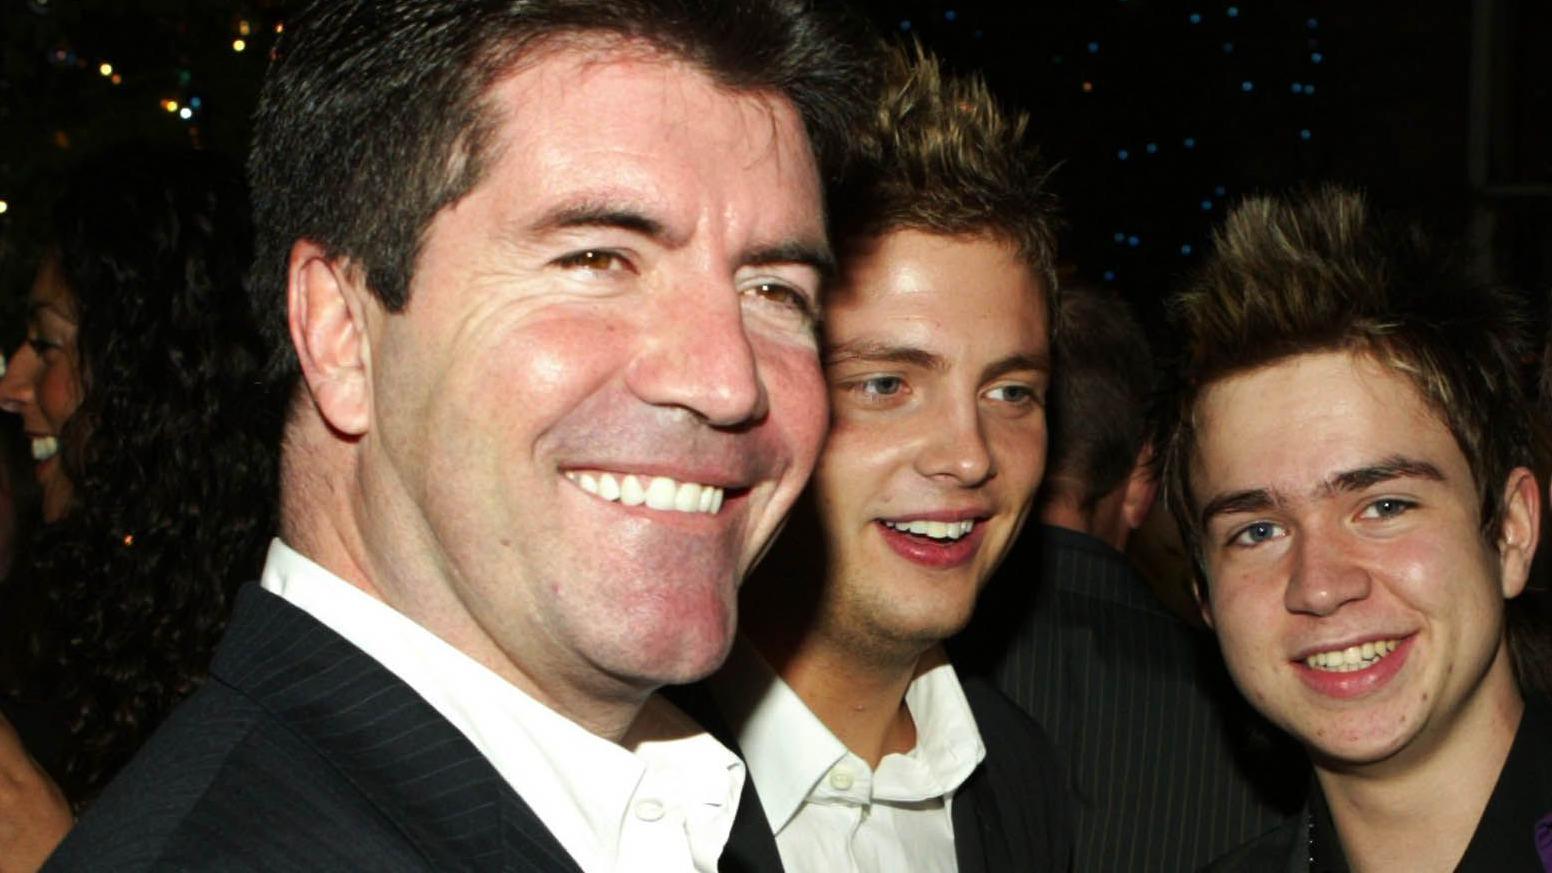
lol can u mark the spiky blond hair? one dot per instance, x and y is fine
(941, 156)
(1320, 272)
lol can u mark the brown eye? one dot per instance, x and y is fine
(601, 260)
(783, 295)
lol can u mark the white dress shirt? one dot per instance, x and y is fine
(662, 800)
(831, 812)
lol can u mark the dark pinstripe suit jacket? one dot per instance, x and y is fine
(1010, 816)
(1169, 767)
(303, 753)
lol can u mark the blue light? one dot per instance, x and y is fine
(1109, 276)
(1206, 205)
(1123, 154)
(1093, 48)
(1312, 24)
(1189, 142)
(1120, 237)
(1220, 191)
(1233, 11)
(1305, 134)
(1185, 249)
(1316, 57)
(950, 15)
(1194, 18)
(905, 24)
(1247, 86)
(1134, 241)
(1228, 48)
(1153, 148)
(1298, 88)
(195, 102)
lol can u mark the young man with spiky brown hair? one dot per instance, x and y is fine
(865, 751)
(1348, 462)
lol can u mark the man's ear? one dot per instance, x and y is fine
(1199, 591)
(327, 300)
(1142, 486)
(1519, 526)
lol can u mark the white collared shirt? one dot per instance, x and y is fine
(831, 812)
(664, 800)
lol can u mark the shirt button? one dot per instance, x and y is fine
(649, 810)
(840, 779)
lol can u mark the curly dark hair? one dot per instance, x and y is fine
(171, 454)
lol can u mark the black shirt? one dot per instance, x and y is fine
(1518, 811)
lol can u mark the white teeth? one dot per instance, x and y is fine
(1351, 658)
(631, 492)
(44, 447)
(938, 530)
(658, 492)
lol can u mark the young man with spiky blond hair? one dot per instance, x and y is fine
(1348, 462)
(865, 751)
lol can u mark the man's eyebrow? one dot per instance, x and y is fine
(883, 353)
(813, 254)
(1393, 467)
(1248, 500)
(1014, 363)
(597, 213)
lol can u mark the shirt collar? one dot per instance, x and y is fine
(786, 747)
(579, 784)
(789, 750)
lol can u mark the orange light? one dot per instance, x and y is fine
(1088, 87)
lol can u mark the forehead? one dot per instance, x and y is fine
(1291, 424)
(49, 290)
(604, 112)
(965, 292)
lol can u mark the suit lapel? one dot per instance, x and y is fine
(397, 751)
(977, 840)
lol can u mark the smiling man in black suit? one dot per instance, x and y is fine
(543, 277)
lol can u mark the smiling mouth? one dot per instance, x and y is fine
(942, 531)
(44, 447)
(1351, 658)
(653, 492)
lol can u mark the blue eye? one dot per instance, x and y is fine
(1257, 533)
(1387, 507)
(881, 386)
(1017, 394)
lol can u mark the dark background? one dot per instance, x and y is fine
(1159, 114)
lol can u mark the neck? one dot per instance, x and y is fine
(1103, 521)
(322, 511)
(1418, 809)
(859, 699)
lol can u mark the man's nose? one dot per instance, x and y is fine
(698, 356)
(1325, 575)
(955, 447)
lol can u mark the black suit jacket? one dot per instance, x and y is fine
(1170, 768)
(1010, 816)
(303, 753)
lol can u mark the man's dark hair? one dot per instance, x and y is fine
(1101, 385)
(372, 118)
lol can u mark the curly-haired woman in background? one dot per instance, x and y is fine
(140, 387)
